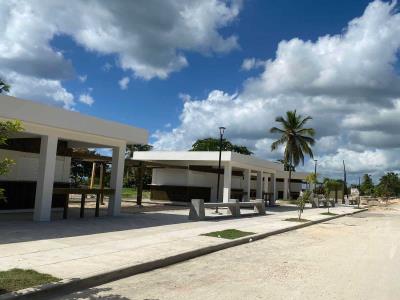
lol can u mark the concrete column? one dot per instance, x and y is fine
(226, 194)
(285, 188)
(259, 186)
(117, 174)
(246, 185)
(273, 182)
(266, 183)
(44, 185)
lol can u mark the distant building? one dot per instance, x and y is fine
(185, 175)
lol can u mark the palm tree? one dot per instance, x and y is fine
(4, 87)
(296, 139)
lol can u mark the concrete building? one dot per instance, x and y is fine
(185, 175)
(54, 129)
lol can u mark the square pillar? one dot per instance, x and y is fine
(266, 183)
(246, 185)
(226, 194)
(117, 174)
(259, 186)
(273, 182)
(285, 188)
(45, 181)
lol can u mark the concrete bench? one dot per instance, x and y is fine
(258, 205)
(316, 202)
(197, 207)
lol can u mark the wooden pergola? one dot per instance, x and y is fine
(103, 160)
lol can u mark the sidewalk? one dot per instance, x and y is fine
(80, 248)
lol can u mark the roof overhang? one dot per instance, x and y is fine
(43, 119)
(210, 158)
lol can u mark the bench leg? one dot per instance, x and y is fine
(96, 213)
(234, 210)
(197, 212)
(65, 212)
(82, 212)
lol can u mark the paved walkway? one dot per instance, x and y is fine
(356, 257)
(82, 247)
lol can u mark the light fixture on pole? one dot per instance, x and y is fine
(221, 135)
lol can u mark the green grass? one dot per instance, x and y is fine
(18, 279)
(328, 214)
(132, 192)
(229, 234)
(297, 220)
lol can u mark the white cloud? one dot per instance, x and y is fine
(123, 83)
(148, 38)
(86, 99)
(347, 82)
(82, 78)
(107, 67)
(42, 90)
(252, 63)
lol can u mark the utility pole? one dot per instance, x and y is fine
(344, 180)
(315, 175)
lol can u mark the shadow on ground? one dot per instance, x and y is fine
(23, 229)
(93, 294)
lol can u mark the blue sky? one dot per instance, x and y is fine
(154, 103)
(192, 66)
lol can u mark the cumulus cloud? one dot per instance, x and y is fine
(347, 82)
(86, 99)
(123, 83)
(148, 38)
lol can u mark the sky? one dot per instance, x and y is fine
(183, 68)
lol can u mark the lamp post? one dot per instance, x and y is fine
(344, 181)
(221, 134)
(315, 174)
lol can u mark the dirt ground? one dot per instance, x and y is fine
(353, 257)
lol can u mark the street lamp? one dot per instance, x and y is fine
(221, 134)
(315, 174)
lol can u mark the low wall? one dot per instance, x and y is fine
(179, 193)
(21, 195)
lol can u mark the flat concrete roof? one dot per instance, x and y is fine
(44, 115)
(198, 157)
(211, 158)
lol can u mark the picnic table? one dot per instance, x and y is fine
(83, 192)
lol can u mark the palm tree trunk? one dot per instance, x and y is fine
(290, 179)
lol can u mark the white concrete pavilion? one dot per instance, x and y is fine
(52, 124)
(200, 169)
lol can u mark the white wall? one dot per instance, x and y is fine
(181, 177)
(26, 166)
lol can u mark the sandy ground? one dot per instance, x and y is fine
(353, 257)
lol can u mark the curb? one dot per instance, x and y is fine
(68, 286)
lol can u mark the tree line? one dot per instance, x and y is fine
(388, 185)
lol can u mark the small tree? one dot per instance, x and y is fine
(301, 202)
(311, 179)
(7, 128)
(367, 186)
(331, 185)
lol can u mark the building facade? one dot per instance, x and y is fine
(182, 176)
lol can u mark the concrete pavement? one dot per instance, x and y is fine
(355, 257)
(81, 248)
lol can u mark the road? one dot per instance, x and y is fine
(353, 257)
